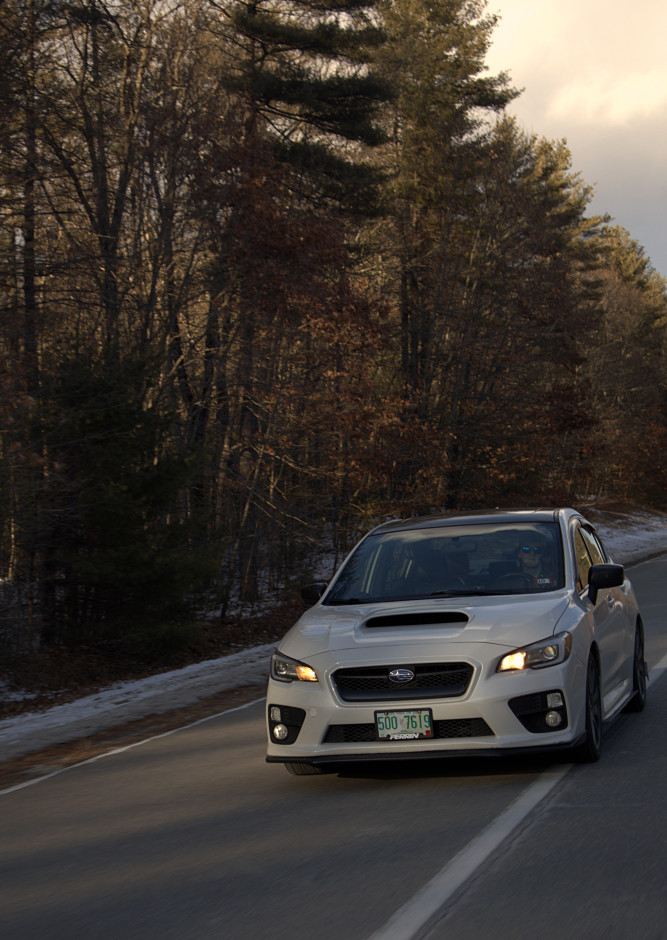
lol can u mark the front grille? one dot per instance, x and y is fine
(445, 728)
(432, 680)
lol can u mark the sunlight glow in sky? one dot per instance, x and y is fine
(595, 74)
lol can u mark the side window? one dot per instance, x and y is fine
(583, 559)
(603, 551)
(594, 547)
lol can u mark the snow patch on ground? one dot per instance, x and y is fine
(127, 701)
(634, 537)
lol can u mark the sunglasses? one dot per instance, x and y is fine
(534, 549)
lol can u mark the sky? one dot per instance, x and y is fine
(594, 73)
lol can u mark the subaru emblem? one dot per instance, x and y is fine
(401, 675)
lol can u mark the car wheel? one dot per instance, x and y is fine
(303, 770)
(589, 751)
(639, 675)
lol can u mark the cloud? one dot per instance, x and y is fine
(594, 74)
(611, 99)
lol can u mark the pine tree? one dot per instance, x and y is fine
(435, 55)
(301, 69)
(627, 375)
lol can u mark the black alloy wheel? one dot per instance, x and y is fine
(639, 674)
(589, 751)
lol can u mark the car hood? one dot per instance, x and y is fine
(504, 621)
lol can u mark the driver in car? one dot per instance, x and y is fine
(532, 558)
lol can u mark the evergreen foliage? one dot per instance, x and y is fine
(301, 70)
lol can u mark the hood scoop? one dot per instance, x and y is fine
(443, 619)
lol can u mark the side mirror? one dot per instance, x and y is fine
(311, 593)
(604, 576)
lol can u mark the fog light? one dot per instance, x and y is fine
(554, 700)
(284, 723)
(553, 719)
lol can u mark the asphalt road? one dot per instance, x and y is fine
(193, 835)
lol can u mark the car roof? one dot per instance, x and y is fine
(477, 517)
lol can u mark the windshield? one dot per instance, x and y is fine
(452, 561)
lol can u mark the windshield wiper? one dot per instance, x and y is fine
(412, 597)
(462, 593)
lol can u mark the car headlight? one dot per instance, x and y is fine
(285, 669)
(549, 652)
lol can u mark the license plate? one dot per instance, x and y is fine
(404, 725)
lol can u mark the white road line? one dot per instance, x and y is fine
(656, 672)
(426, 903)
(405, 923)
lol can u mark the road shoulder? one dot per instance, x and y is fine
(58, 757)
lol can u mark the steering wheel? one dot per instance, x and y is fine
(525, 579)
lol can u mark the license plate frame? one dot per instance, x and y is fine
(404, 724)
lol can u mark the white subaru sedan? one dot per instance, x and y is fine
(457, 634)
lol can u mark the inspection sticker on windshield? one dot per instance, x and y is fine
(404, 725)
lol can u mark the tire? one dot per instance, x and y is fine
(589, 751)
(303, 770)
(639, 674)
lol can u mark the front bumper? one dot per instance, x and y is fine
(498, 713)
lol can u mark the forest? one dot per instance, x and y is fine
(272, 271)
